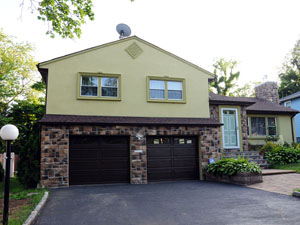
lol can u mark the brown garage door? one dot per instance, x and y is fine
(172, 158)
(98, 159)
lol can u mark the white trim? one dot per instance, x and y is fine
(89, 86)
(268, 134)
(237, 129)
(285, 104)
(109, 87)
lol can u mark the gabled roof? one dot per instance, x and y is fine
(254, 105)
(124, 40)
(290, 97)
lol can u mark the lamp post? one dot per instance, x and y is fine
(8, 133)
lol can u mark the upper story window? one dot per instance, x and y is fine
(287, 104)
(99, 86)
(109, 87)
(162, 89)
(262, 126)
(89, 86)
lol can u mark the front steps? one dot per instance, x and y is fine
(252, 156)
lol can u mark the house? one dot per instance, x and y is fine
(293, 101)
(131, 112)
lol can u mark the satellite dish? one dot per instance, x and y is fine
(123, 30)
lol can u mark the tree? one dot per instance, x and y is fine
(247, 90)
(290, 74)
(22, 104)
(26, 115)
(17, 68)
(64, 17)
(225, 77)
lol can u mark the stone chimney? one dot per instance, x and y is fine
(267, 91)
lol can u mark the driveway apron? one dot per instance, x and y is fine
(176, 203)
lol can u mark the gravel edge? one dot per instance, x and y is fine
(37, 209)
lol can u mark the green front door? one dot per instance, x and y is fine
(230, 128)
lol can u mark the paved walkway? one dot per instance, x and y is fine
(275, 171)
(282, 183)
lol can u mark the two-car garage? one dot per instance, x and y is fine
(106, 159)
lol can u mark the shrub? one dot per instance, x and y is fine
(29, 164)
(269, 146)
(1, 173)
(232, 166)
(283, 155)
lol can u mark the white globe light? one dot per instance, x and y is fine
(9, 132)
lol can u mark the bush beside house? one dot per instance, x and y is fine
(281, 154)
(238, 171)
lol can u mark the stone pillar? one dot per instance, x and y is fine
(138, 159)
(267, 91)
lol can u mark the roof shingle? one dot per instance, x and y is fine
(255, 105)
(124, 120)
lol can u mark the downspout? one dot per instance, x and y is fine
(292, 126)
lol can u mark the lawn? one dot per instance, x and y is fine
(22, 201)
(293, 166)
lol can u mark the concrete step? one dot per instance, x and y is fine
(259, 161)
(264, 165)
(252, 156)
(246, 153)
(268, 172)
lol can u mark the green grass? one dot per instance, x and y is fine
(18, 191)
(293, 166)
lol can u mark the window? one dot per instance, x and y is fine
(157, 89)
(109, 87)
(272, 129)
(166, 89)
(263, 126)
(258, 126)
(99, 86)
(174, 90)
(89, 86)
(287, 104)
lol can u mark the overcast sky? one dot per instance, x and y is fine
(256, 33)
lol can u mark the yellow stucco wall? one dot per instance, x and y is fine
(113, 59)
(283, 127)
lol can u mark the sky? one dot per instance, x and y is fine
(257, 33)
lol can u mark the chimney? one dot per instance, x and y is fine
(267, 91)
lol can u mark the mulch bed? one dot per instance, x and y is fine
(14, 205)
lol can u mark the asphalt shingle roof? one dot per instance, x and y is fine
(289, 97)
(255, 105)
(122, 120)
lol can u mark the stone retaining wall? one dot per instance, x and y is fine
(55, 147)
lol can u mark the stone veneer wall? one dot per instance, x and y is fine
(55, 147)
(214, 114)
(267, 91)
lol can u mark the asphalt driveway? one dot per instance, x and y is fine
(175, 203)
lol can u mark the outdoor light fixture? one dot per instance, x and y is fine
(8, 133)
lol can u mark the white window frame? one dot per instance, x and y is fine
(286, 104)
(92, 96)
(237, 129)
(164, 98)
(268, 134)
(175, 99)
(109, 87)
